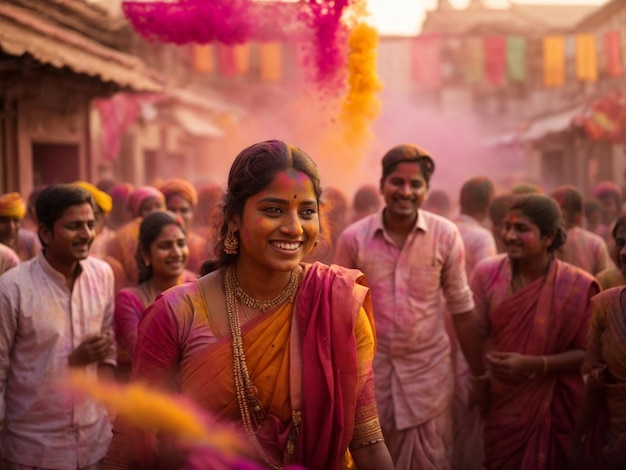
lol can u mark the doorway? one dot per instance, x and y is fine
(55, 163)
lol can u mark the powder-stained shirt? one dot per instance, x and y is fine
(413, 357)
(41, 323)
(477, 240)
(586, 250)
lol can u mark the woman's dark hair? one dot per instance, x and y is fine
(54, 200)
(545, 213)
(252, 171)
(149, 231)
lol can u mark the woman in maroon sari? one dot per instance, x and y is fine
(535, 313)
(279, 348)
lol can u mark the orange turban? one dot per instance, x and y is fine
(12, 205)
(102, 199)
(182, 187)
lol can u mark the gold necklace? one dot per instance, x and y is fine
(247, 393)
(287, 294)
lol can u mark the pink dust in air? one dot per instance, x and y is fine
(238, 21)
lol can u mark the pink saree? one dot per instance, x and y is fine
(329, 299)
(529, 425)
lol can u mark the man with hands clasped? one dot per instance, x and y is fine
(57, 316)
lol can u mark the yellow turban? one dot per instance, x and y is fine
(179, 186)
(12, 205)
(102, 199)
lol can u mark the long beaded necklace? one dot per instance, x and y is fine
(247, 393)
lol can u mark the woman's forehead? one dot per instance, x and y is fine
(516, 215)
(289, 178)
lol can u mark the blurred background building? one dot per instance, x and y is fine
(83, 96)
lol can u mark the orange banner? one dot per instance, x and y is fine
(553, 61)
(203, 61)
(586, 58)
(271, 57)
(241, 56)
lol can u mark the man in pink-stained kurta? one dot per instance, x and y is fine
(407, 273)
(57, 315)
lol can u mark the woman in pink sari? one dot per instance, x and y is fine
(535, 313)
(279, 348)
(161, 256)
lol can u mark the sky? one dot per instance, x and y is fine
(404, 17)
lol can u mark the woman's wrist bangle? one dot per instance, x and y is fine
(360, 445)
(478, 378)
(545, 364)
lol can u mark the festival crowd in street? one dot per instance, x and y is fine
(379, 333)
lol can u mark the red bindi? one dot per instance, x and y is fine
(295, 196)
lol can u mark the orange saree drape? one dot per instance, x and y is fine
(321, 371)
(208, 380)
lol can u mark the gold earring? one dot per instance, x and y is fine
(231, 243)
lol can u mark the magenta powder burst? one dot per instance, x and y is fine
(187, 21)
(238, 21)
(324, 18)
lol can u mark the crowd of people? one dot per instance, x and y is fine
(389, 332)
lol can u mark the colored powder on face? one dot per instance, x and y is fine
(361, 104)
